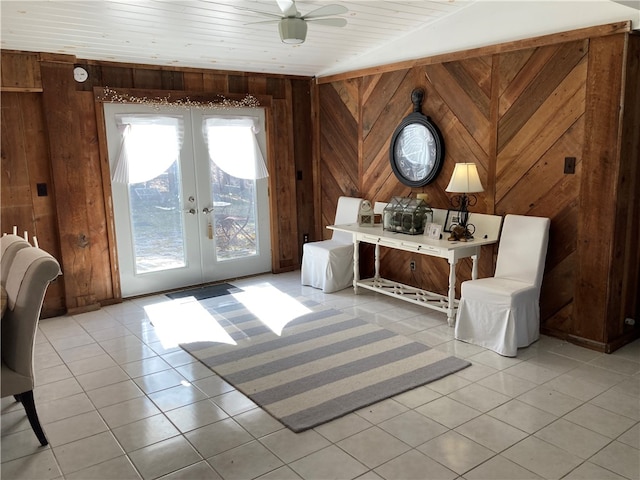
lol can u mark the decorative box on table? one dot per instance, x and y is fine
(406, 215)
(365, 215)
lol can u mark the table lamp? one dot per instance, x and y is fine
(464, 180)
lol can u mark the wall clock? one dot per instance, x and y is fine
(417, 147)
(80, 74)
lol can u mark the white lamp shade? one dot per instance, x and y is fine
(465, 179)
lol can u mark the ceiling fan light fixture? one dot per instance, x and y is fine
(292, 30)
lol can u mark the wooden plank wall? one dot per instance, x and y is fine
(517, 114)
(630, 184)
(541, 121)
(23, 158)
(608, 225)
(51, 136)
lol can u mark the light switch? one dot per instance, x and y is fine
(569, 164)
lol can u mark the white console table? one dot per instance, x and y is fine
(487, 233)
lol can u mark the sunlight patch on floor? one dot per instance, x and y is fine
(184, 320)
(271, 306)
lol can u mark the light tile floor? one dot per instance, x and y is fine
(116, 403)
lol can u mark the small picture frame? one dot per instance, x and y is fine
(453, 218)
(433, 231)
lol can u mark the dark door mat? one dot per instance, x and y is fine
(200, 293)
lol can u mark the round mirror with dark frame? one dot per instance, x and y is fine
(417, 147)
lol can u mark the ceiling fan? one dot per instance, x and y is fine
(292, 25)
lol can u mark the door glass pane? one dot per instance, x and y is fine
(234, 219)
(157, 222)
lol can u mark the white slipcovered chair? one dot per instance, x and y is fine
(328, 264)
(29, 276)
(502, 313)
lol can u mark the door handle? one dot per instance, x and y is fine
(207, 210)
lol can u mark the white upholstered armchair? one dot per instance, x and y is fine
(502, 313)
(29, 275)
(9, 245)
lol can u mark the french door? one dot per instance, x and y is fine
(184, 218)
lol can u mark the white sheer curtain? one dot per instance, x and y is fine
(233, 146)
(150, 144)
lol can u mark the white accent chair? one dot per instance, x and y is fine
(502, 313)
(29, 276)
(328, 264)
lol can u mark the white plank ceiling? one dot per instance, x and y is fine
(217, 35)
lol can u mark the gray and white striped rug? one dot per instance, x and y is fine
(321, 366)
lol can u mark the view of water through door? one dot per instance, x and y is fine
(184, 214)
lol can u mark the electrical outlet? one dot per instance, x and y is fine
(412, 265)
(570, 165)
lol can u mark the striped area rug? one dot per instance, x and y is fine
(321, 366)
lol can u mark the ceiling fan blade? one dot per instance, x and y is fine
(261, 12)
(288, 7)
(272, 22)
(332, 22)
(326, 10)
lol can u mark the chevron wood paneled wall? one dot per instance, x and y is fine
(541, 111)
(516, 114)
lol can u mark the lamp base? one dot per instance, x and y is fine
(466, 236)
(460, 234)
(463, 231)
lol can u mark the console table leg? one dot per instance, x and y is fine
(377, 262)
(452, 294)
(474, 268)
(356, 264)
